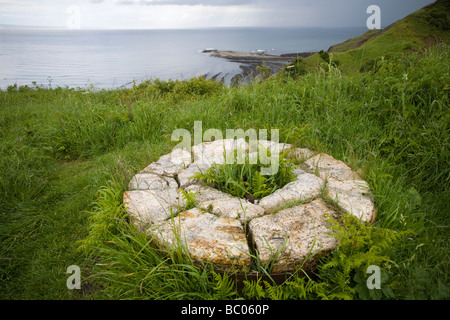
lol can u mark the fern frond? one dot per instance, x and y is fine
(189, 197)
(224, 288)
(253, 290)
(340, 296)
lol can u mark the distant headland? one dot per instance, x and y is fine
(250, 61)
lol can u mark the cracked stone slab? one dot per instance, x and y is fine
(234, 208)
(287, 237)
(305, 187)
(298, 171)
(224, 205)
(209, 238)
(184, 227)
(354, 196)
(151, 181)
(218, 151)
(170, 164)
(146, 207)
(207, 193)
(185, 176)
(327, 166)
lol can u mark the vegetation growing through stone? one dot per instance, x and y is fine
(189, 197)
(67, 155)
(245, 180)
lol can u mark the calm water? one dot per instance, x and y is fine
(114, 58)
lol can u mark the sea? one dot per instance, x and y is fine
(109, 59)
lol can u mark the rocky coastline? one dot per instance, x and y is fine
(250, 61)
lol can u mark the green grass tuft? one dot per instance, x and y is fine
(244, 179)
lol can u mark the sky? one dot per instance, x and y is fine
(188, 14)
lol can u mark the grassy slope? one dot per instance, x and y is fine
(59, 147)
(419, 30)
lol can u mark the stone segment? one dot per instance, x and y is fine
(307, 186)
(152, 206)
(353, 196)
(225, 205)
(327, 166)
(170, 164)
(210, 238)
(291, 234)
(223, 244)
(234, 208)
(151, 181)
(298, 171)
(216, 151)
(207, 193)
(185, 176)
(184, 228)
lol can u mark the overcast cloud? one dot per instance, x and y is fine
(134, 14)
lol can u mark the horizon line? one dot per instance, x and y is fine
(178, 28)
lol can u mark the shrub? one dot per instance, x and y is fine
(325, 56)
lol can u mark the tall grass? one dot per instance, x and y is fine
(245, 179)
(58, 147)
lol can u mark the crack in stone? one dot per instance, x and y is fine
(251, 246)
(175, 177)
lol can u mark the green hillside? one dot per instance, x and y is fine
(421, 29)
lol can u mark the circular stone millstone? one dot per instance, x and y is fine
(283, 227)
